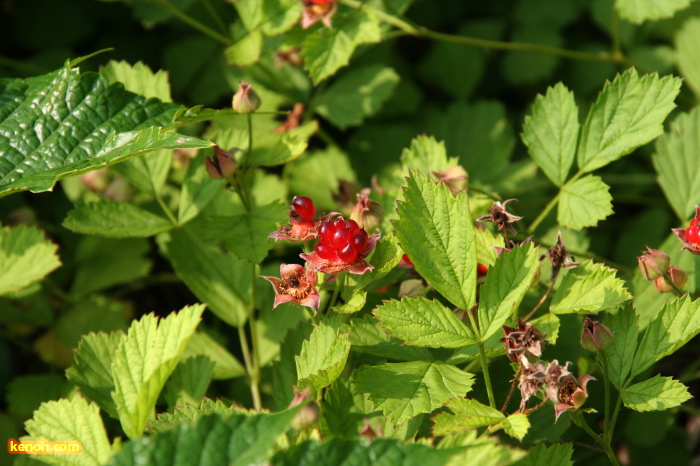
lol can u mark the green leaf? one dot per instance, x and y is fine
(64, 123)
(381, 451)
(548, 325)
(226, 366)
(422, 322)
(484, 450)
(138, 79)
(465, 414)
(144, 360)
(25, 257)
(638, 11)
(274, 16)
(551, 132)
(505, 286)
(584, 202)
(620, 353)
(219, 279)
(323, 355)
(356, 302)
(245, 235)
(629, 113)
(435, 229)
(271, 149)
(198, 190)
(356, 95)
(26, 392)
(676, 323)
(189, 381)
(516, 425)
(341, 416)
(92, 369)
(676, 161)
(485, 243)
(246, 51)
(71, 420)
(239, 439)
(148, 172)
(588, 289)
(655, 394)
(425, 154)
(403, 390)
(115, 219)
(687, 53)
(368, 337)
(558, 454)
(327, 50)
(190, 414)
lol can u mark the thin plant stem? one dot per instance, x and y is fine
(603, 360)
(215, 16)
(670, 283)
(248, 361)
(487, 376)
(253, 323)
(542, 300)
(336, 291)
(203, 28)
(167, 211)
(615, 33)
(249, 153)
(603, 442)
(533, 226)
(512, 390)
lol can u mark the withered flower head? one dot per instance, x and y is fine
(499, 216)
(369, 433)
(560, 257)
(346, 196)
(366, 212)
(222, 164)
(690, 236)
(522, 343)
(532, 377)
(455, 178)
(563, 389)
(318, 10)
(297, 284)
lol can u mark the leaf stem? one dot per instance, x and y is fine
(167, 211)
(581, 422)
(487, 376)
(552, 203)
(542, 300)
(253, 323)
(204, 29)
(248, 361)
(603, 360)
(670, 283)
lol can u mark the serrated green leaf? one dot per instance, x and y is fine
(139, 79)
(239, 439)
(273, 16)
(327, 50)
(558, 454)
(403, 390)
(26, 392)
(422, 322)
(189, 414)
(115, 219)
(485, 243)
(584, 202)
(226, 366)
(273, 149)
(341, 417)
(198, 190)
(548, 325)
(628, 113)
(246, 51)
(505, 286)
(64, 123)
(466, 414)
(676, 323)
(323, 355)
(688, 54)
(655, 394)
(551, 132)
(356, 95)
(368, 337)
(219, 279)
(356, 302)
(148, 172)
(144, 360)
(588, 289)
(189, 381)
(516, 425)
(620, 353)
(25, 257)
(435, 229)
(381, 451)
(484, 450)
(92, 369)
(245, 235)
(105, 262)
(677, 163)
(638, 11)
(426, 154)
(71, 420)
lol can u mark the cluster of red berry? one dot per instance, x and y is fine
(341, 240)
(692, 233)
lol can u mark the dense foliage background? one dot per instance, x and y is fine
(466, 73)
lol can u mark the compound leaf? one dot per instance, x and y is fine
(655, 394)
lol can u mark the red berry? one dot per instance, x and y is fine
(347, 254)
(325, 232)
(692, 233)
(481, 270)
(360, 243)
(338, 223)
(326, 252)
(304, 207)
(341, 238)
(352, 225)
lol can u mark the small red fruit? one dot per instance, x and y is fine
(304, 207)
(347, 254)
(360, 243)
(692, 233)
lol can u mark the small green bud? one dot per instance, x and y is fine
(246, 100)
(653, 263)
(595, 336)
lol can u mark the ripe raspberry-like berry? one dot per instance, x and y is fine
(692, 233)
(304, 207)
(347, 254)
(481, 270)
